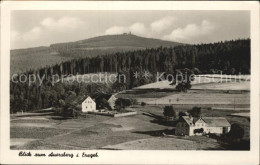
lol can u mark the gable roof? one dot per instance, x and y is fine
(112, 97)
(80, 99)
(210, 121)
(86, 97)
(216, 122)
(188, 120)
(73, 99)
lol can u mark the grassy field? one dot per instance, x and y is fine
(198, 97)
(159, 84)
(25, 60)
(144, 96)
(208, 98)
(167, 143)
(225, 94)
(224, 86)
(208, 81)
(142, 131)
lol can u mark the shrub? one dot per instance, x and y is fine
(169, 111)
(133, 101)
(70, 110)
(102, 100)
(234, 139)
(181, 114)
(122, 103)
(195, 111)
(236, 132)
(102, 103)
(183, 86)
(143, 103)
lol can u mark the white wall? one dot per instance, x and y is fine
(88, 105)
(217, 130)
(111, 102)
(199, 124)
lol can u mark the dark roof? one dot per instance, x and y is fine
(75, 100)
(188, 120)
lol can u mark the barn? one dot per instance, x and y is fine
(191, 126)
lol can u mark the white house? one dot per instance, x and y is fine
(88, 105)
(112, 101)
(197, 126)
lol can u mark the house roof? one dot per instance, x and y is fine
(210, 121)
(75, 100)
(80, 99)
(106, 96)
(188, 120)
(216, 121)
(112, 97)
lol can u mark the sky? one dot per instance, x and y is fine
(42, 28)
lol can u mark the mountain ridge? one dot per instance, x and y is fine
(119, 40)
(36, 57)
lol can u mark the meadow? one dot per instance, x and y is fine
(209, 90)
(143, 131)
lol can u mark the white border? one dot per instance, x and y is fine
(138, 156)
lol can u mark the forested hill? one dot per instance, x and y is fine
(230, 57)
(33, 58)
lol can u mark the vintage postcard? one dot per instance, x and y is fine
(130, 82)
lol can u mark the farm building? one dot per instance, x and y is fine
(88, 105)
(111, 101)
(197, 126)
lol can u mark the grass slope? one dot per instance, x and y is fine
(124, 40)
(32, 58)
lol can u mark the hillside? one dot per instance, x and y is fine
(116, 41)
(38, 57)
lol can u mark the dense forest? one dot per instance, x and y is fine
(230, 57)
